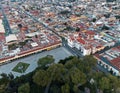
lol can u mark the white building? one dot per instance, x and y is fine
(109, 67)
(71, 41)
(88, 42)
(79, 44)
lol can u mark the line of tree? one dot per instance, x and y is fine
(71, 75)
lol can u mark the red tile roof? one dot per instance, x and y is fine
(81, 41)
(90, 32)
(72, 37)
(116, 62)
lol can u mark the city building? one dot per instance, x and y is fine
(110, 60)
(88, 42)
(2, 32)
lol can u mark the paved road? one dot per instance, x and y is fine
(102, 69)
(58, 53)
(74, 51)
(5, 21)
(39, 21)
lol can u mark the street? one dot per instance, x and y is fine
(5, 22)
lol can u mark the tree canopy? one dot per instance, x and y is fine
(45, 61)
(25, 88)
(71, 75)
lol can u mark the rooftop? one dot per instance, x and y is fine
(111, 57)
(2, 30)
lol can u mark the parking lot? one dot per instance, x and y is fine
(58, 53)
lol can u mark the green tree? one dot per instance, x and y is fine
(25, 88)
(65, 88)
(45, 61)
(74, 62)
(118, 90)
(96, 76)
(41, 78)
(90, 60)
(4, 81)
(5, 78)
(71, 75)
(104, 83)
(114, 82)
(54, 89)
(2, 87)
(76, 89)
(77, 77)
(56, 72)
(88, 63)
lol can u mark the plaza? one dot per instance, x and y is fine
(58, 54)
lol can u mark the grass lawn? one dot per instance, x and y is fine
(20, 67)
